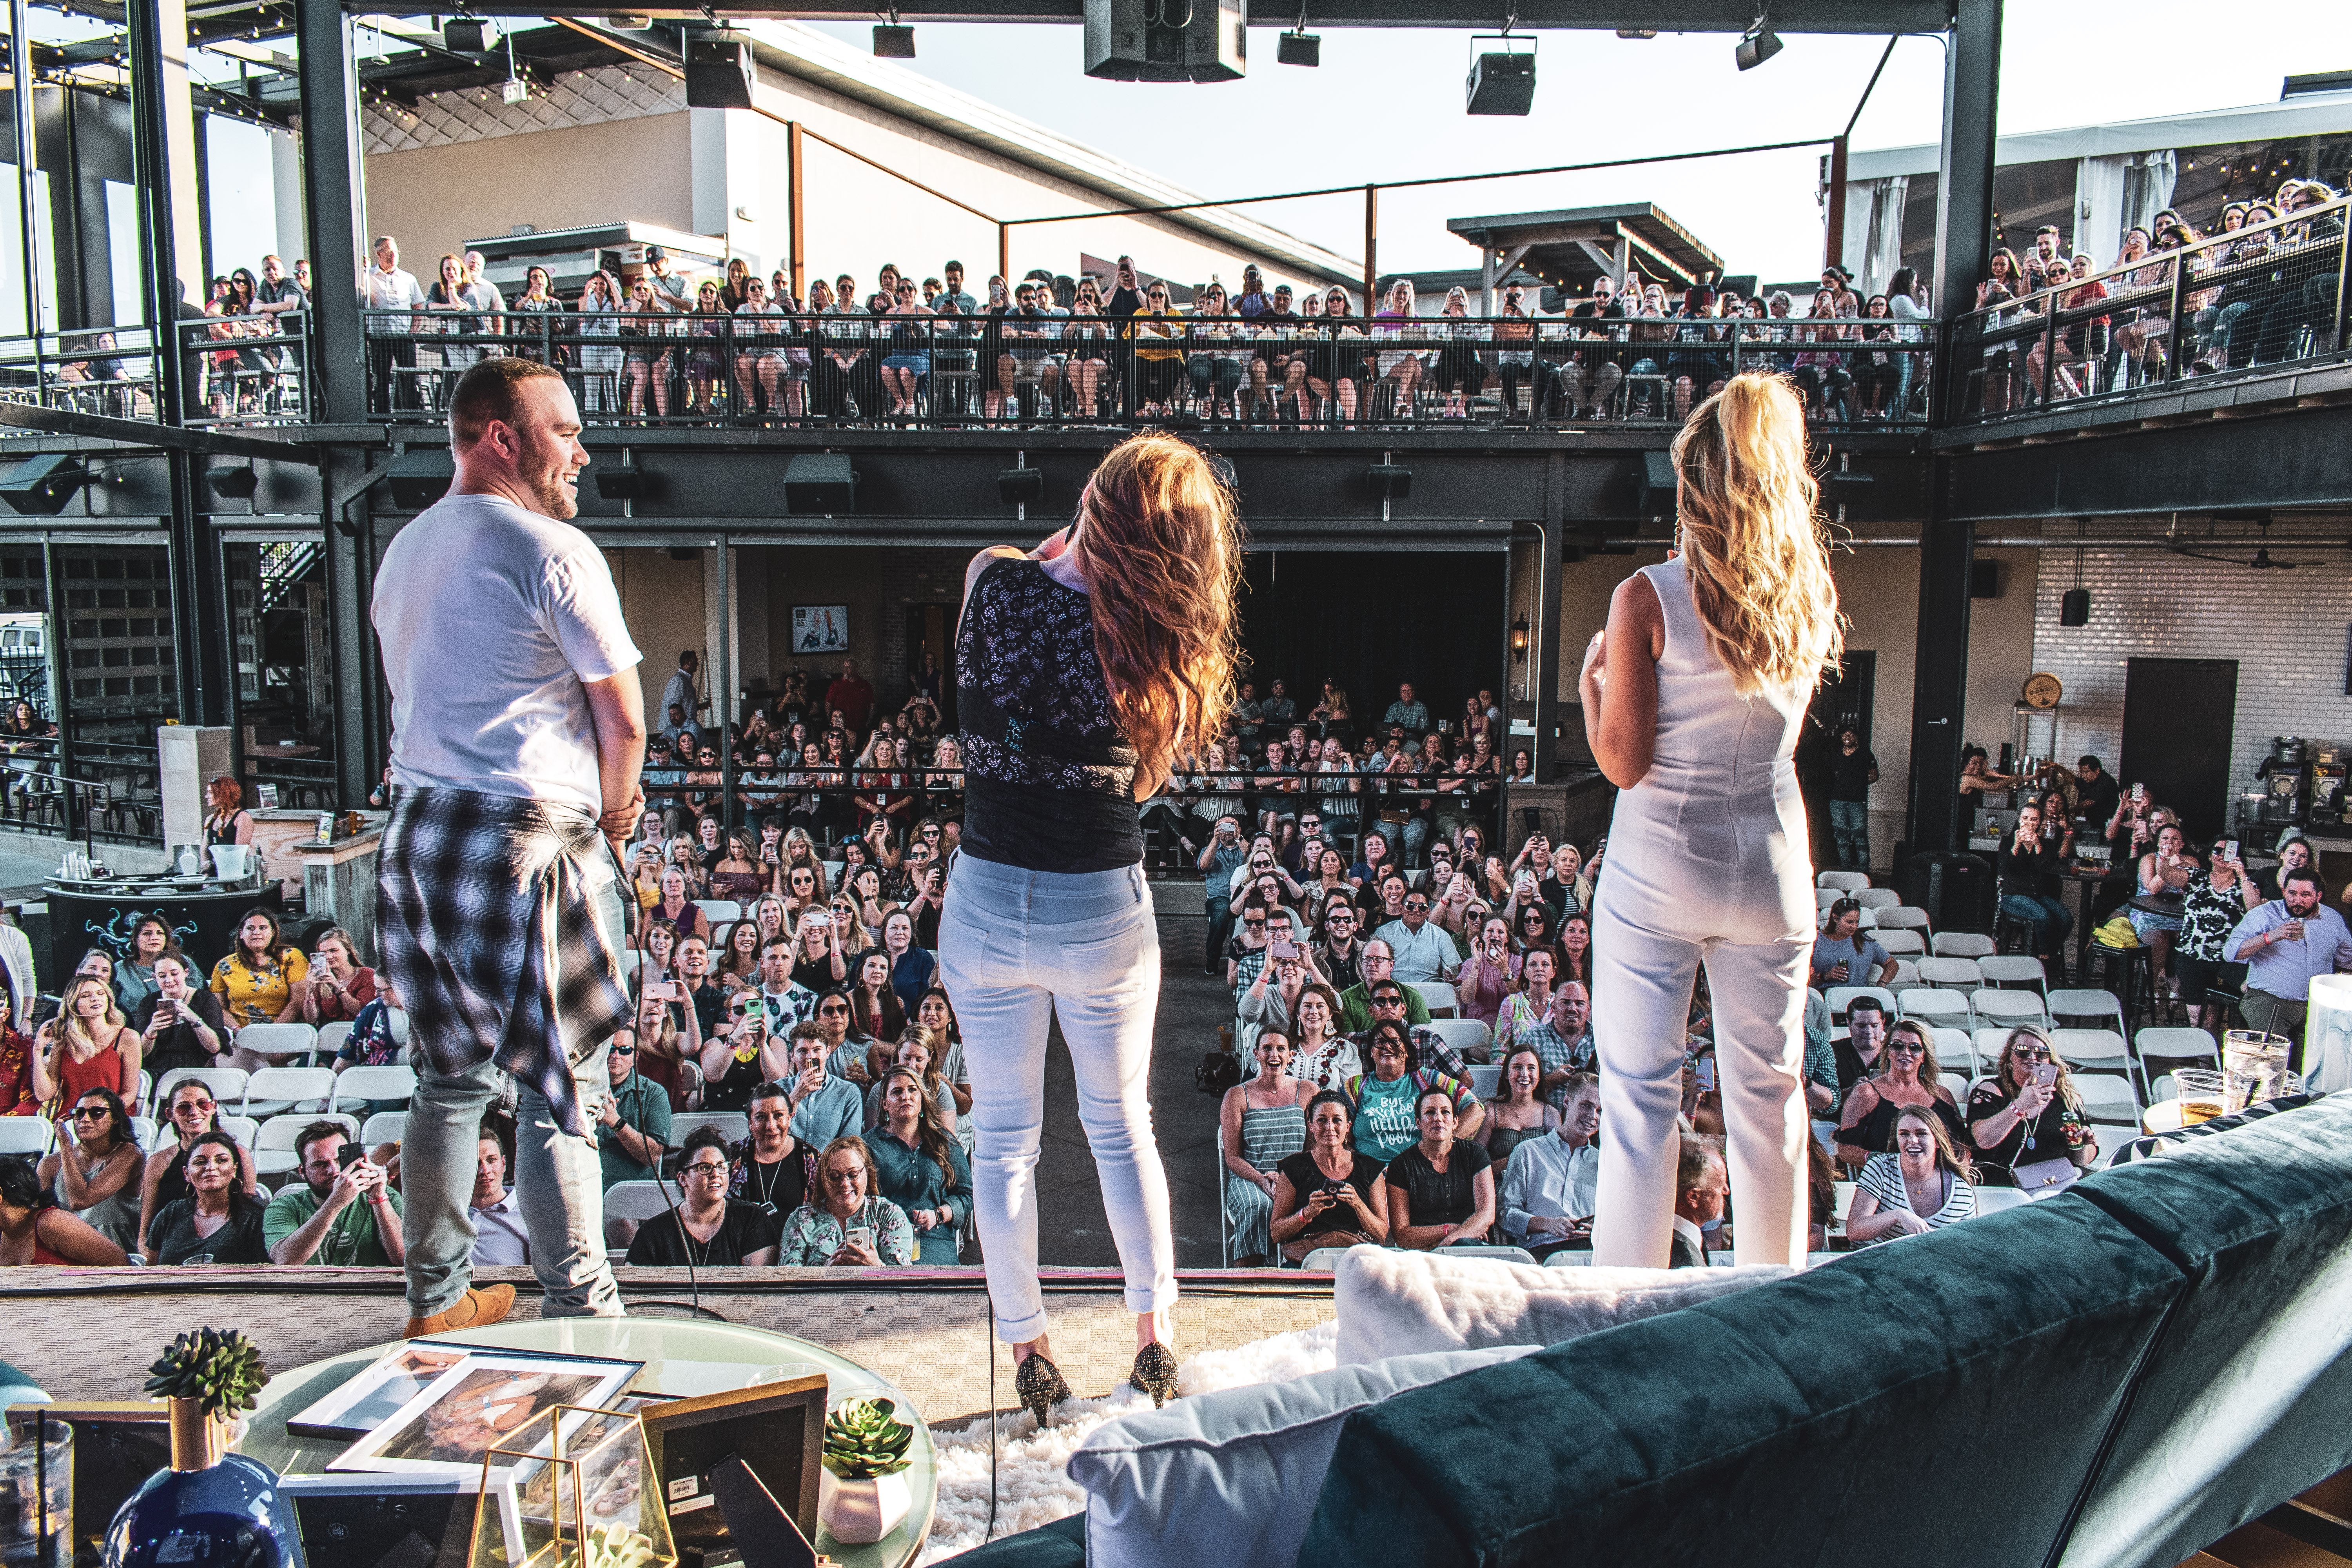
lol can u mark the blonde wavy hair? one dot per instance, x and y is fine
(1161, 551)
(1752, 539)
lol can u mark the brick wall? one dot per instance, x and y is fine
(911, 577)
(2286, 630)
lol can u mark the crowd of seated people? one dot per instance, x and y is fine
(2259, 288)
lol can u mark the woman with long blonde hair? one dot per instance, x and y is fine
(1086, 666)
(1693, 695)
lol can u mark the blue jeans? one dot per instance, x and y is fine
(1405, 838)
(558, 1184)
(1850, 824)
(2050, 918)
(1019, 951)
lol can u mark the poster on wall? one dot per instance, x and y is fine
(820, 628)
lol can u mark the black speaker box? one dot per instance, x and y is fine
(1133, 40)
(718, 71)
(418, 479)
(1502, 84)
(2075, 609)
(1656, 496)
(1984, 579)
(820, 484)
(41, 486)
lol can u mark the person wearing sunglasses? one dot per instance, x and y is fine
(1422, 950)
(2025, 1129)
(1911, 1080)
(95, 1171)
(194, 1111)
(633, 1121)
(707, 1229)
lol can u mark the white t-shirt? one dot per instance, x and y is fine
(490, 618)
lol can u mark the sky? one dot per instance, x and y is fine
(1388, 104)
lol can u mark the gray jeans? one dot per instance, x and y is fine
(558, 1184)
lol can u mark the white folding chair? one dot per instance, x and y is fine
(630, 959)
(1839, 1207)
(1960, 1083)
(227, 1084)
(2108, 1102)
(1877, 898)
(271, 1090)
(1485, 1080)
(2010, 1007)
(1824, 897)
(2173, 1046)
(2093, 1050)
(1507, 1254)
(243, 1128)
(1905, 975)
(2005, 970)
(1437, 996)
(2096, 1006)
(26, 1135)
(1901, 943)
(357, 1086)
(1961, 944)
(398, 1018)
(718, 911)
(1989, 1042)
(278, 1041)
(1992, 1200)
(1865, 920)
(274, 1153)
(640, 1199)
(1825, 1134)
(1324, 1259)
(2162, 1090)
(1840, 996)
(1954, 1045)
(330, 1040)
(142, 1133)
(1843, 881)
(385, 1127)
(1565, 1258)
(735, 1125)
(1469, 1036)
(1952, 973)
(1903, 917)
(1936, 1008)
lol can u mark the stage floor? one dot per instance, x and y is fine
(91, 1334)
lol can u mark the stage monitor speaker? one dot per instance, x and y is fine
(1133, 40)
(41, 486)
(1656, 496)
(718, 71)
(820, 484)
(2074, 608)
(1984, 579)
(1501, 84)
(418, 479)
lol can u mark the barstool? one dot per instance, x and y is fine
(2124, 971)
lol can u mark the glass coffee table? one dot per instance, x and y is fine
(683, 1357)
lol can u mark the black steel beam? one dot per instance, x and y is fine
(1544, 649)
(1964, 195)
(2292, 459)
(141, 433)
(1876, 17)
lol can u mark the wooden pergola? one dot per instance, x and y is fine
(1572, 247)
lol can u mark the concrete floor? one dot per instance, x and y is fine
(1071, 1227)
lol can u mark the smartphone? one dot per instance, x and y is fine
(1707, 1074)
(349, 1154)
(2230, 851)
(2140, 794)
(859, 1234)
(2046, 1074)
(1286, 950)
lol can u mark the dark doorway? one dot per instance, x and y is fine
(931, 630)
(2179, 715)
(1374, 618)
(1843, 698)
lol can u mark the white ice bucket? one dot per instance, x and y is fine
(232, 862)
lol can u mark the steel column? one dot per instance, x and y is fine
(20, 72)
(1543, 640)
(1964, 196)
(1834, 238)
(1372, 249)
(1939, 682)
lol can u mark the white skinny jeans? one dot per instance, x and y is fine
(1017, 948)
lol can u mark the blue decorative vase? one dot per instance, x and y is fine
(211, 1510)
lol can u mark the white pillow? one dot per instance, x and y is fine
(1230, 1479)
(1396, 1303)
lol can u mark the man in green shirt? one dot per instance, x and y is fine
(338, 1214)
(634, 1125)
(1378, 964)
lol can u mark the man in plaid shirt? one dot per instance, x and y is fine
(518, 736)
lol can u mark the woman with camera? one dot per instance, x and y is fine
(2026, 1120)
(182, 1026)
(337, 986)
(1328, 1194)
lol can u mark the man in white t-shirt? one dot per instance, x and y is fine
(517, 738)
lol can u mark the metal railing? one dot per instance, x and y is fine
(926, 372)
(109, 372)
(248, 370)
(2246, 300)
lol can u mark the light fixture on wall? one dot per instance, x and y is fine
(1519, 639)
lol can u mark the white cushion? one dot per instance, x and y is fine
(1396, 1303)
(1230, 1479)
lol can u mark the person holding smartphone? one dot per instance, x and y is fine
(2219, 897)
(848, 1225)
(182, 1026)
(2027, 1115)
(343, 1214)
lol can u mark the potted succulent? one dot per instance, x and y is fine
(861, 1492)
(211, 1505)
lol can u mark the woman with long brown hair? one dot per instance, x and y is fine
(1693, 696)
(1086, 666)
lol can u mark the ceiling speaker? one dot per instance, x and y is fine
(2075, 609)
(820, 484)
(718, 71)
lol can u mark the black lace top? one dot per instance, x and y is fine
(1049, 781)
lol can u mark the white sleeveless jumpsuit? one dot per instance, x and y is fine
(1709, 861)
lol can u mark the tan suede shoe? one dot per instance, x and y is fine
(474, 1310)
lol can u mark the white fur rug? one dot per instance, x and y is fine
(1033, 1485)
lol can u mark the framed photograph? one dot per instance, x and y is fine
(820, 628)
(376, 1521)
(469, 1409)
(776, 1428)
(374, 1397)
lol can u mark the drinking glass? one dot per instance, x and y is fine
(2255, 1064)
(2202, 1091)
(37, 1495)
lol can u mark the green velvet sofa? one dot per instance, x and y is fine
(2113, 1378)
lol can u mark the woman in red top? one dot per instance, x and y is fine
(337, 986)
(89, 1044)
(32, 1229)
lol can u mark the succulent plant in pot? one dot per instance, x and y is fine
(861, 1492)
(210, 1505)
